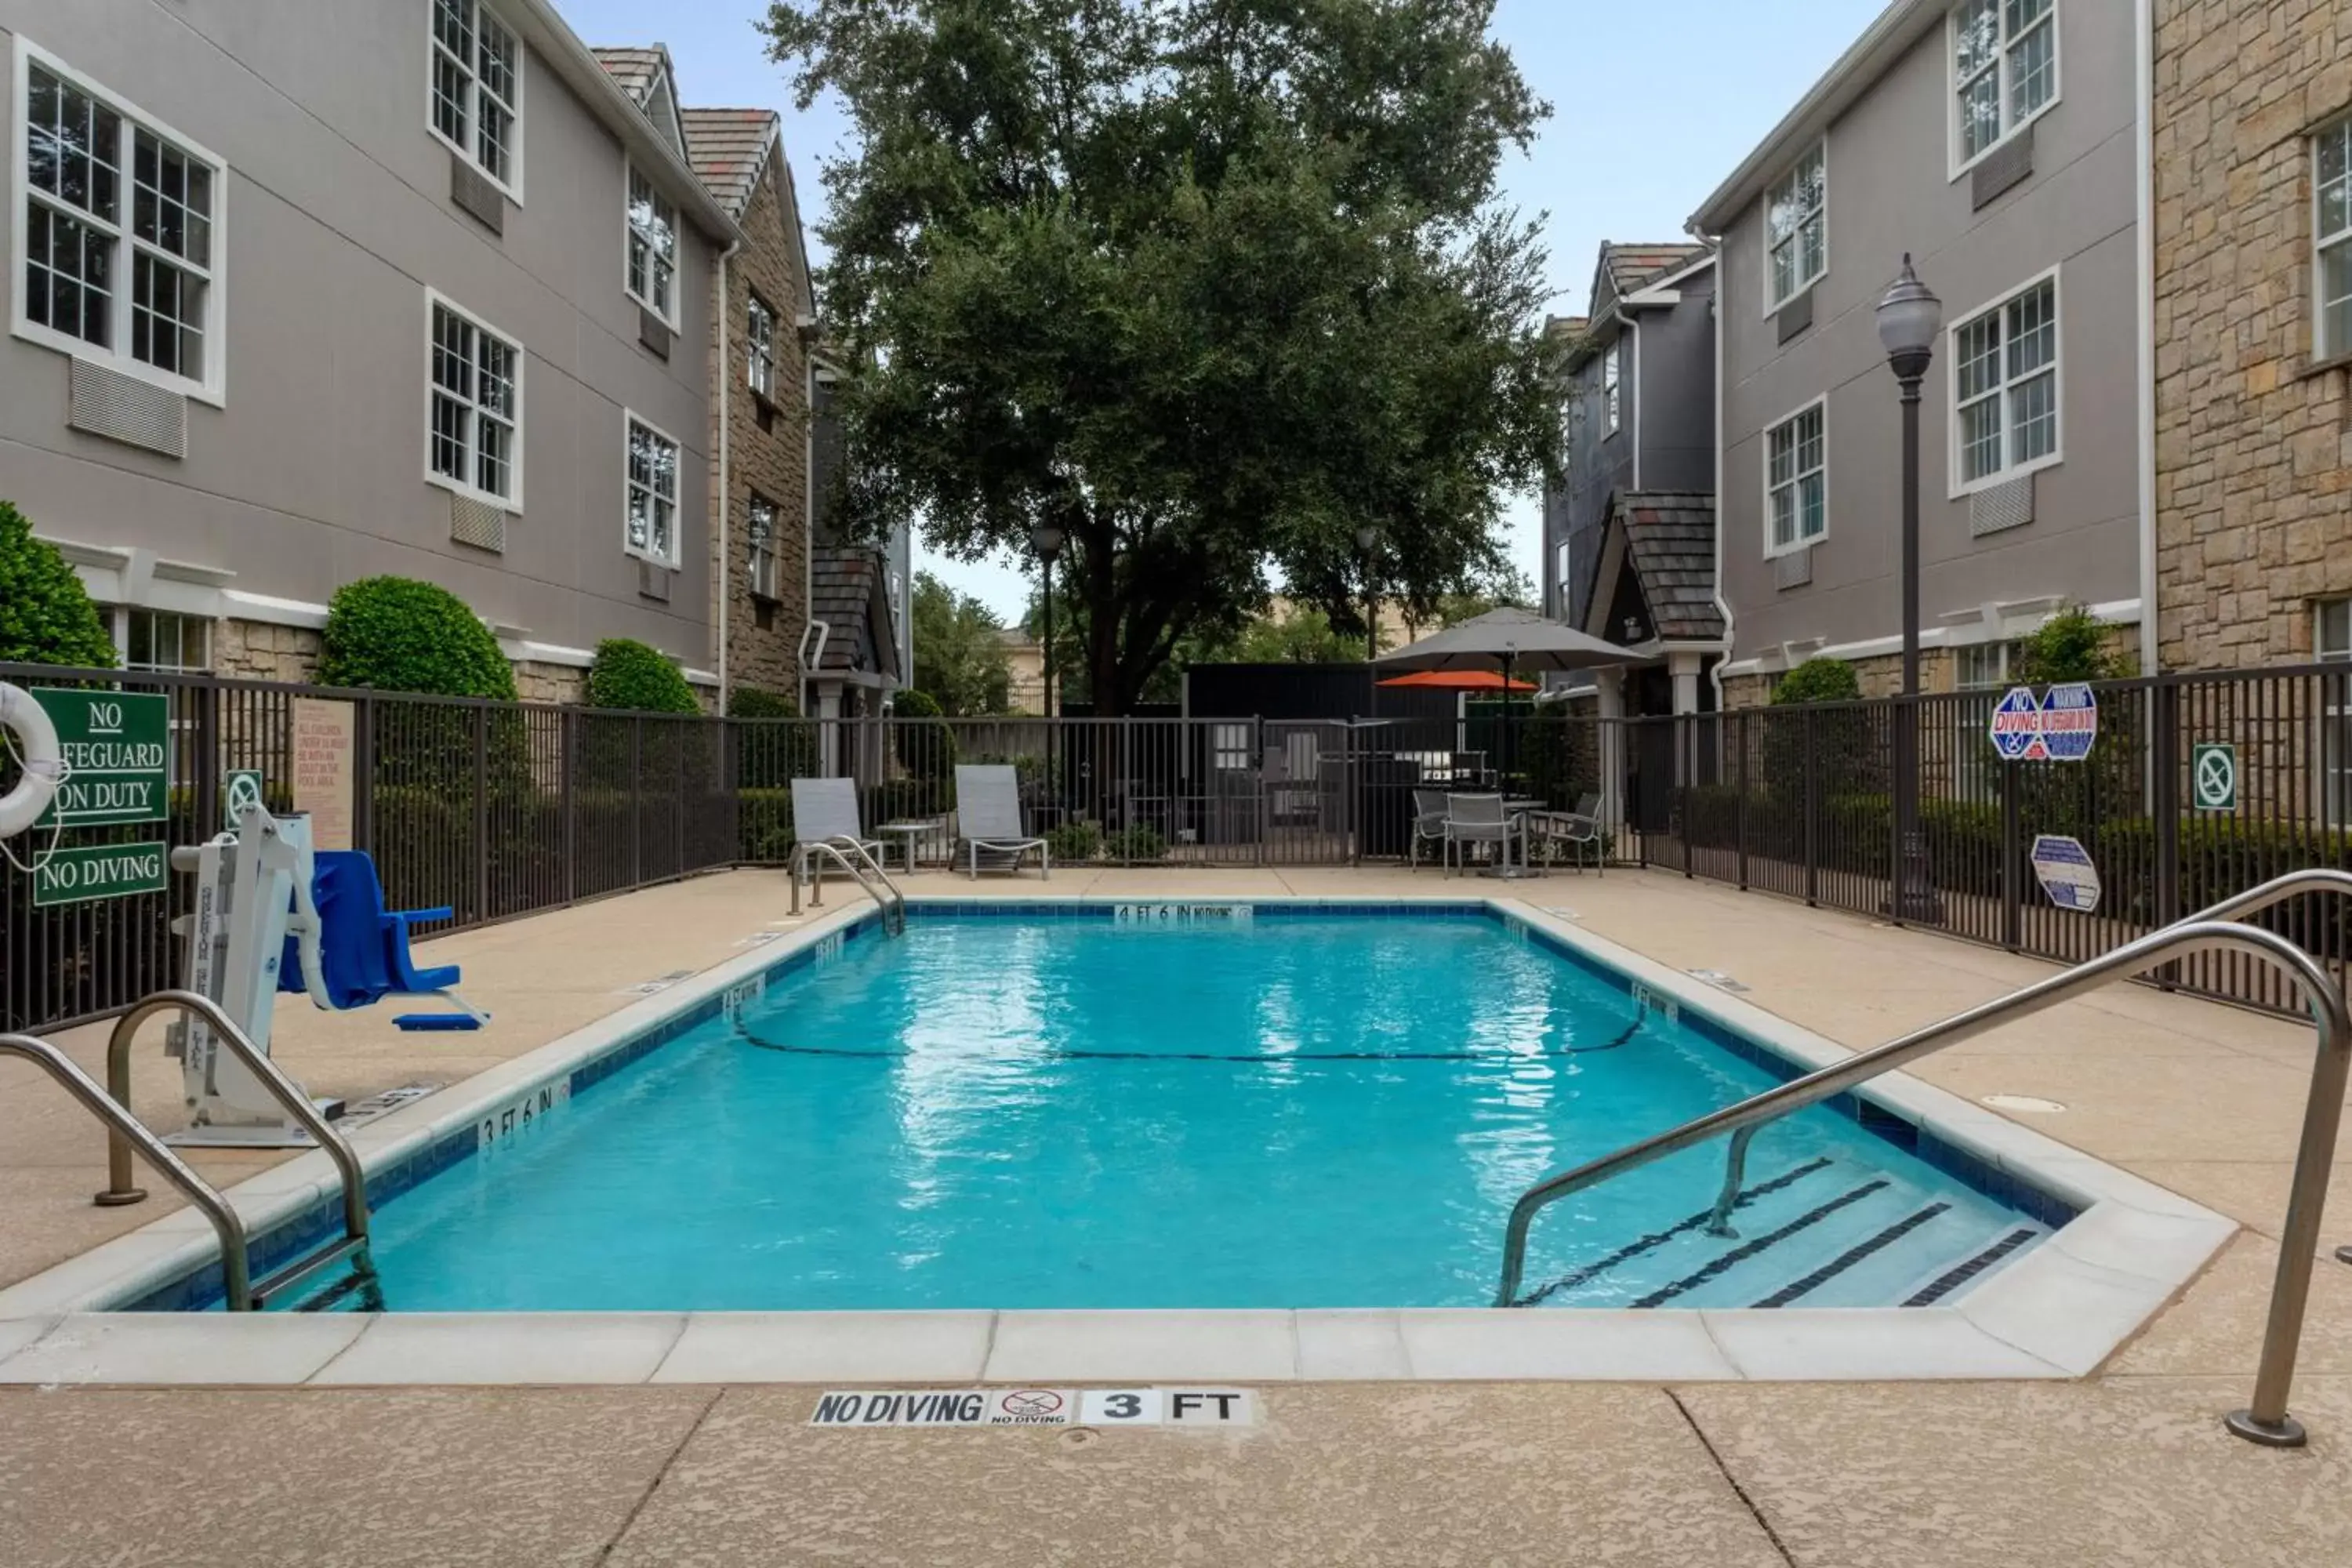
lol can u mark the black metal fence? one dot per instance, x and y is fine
(1800, 802)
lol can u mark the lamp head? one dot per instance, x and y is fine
(1046, 538)
(1909, 317)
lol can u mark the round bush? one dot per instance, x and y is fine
(46, 615)
(751, 703)
(1819, 680)
(924, 742)
(628, 674)
(395, 634)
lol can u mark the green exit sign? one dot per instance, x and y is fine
(114, 750)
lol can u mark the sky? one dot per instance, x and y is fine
(1650, 112)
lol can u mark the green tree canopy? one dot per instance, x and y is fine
(46, 615)
(958, 650)
(1207, 285)
(1818, 680)
(397, 634)
(638, 678)
(2073, 644)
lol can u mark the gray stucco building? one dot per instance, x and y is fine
(305, 293)
(2000, 146)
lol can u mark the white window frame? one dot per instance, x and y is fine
(213, 386)
(510, 182)
(632, 421)
(2322, 242)
(759, 350)
(1961, 161)
(1773, 302)
(435, 299)
(1797, 477)
(1957, 486)
(629, 174)
(122, 618)
(1559, 569)
(1612, 388)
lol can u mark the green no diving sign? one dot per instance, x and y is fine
(100, 872)
(2213, 775)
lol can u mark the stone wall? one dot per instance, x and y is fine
(539, 682)
(1878, 675)
(767, 451)
(2253, 455)
(256, 650)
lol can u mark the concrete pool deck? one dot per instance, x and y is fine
(2129, 1465)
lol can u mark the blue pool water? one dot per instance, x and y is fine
(1302, 1110)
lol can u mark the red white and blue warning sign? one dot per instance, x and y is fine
(2064, 869)
(2059, 727)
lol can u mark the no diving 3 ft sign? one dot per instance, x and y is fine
(885, 1407)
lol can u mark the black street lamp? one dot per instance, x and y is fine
(1367, 537)
(1909, 317)
(1046, 538)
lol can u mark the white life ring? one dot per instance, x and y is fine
(36, 742)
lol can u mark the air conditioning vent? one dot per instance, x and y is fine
(123, 408)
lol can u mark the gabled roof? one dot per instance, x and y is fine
(647, 75)
(729, 147)
(1670, 545)
(1628, 267)
(848, 594)
(1566, 329)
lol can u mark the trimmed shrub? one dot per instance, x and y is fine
(46, 615)
(630, 677)
(1139, 843)
(1818, 680)
(925, 745)
(1074, 842)
(395, 634)
(751, 703)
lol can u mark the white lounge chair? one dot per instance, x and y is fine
(826, 810)
(988, 819)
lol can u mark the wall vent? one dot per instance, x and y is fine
(104, 402)
(2003, 169)
(1794, 568)
(1795, 316)
(2001, 506)
(478, 523)
(654, 333)
(653, 582)
(476, 194)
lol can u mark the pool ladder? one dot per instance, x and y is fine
(2266, 1421)
(851, 856)
(126, 1133)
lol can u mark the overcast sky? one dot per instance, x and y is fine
(1650, 110)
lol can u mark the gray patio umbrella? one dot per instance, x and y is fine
(1510, 639)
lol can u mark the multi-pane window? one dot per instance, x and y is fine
(1797, 480)
(1560, 571)
(2005, 373)
(2004, 68)
(1611, 405)
(653, 246)
(477, 66)
(760, 347)
(763, 538)
(652, 525)
(1797, 228)
(2332, 238)
(473, 442)
(158, 639)
(119, 226)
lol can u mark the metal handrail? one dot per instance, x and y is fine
(132, 1132)
(834, 848)
(283, 1089)
(2266, 1420)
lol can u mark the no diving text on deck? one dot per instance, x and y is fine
(886, 1407)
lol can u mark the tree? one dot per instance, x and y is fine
(46, 615)
(1305, 635)
(960, 657)
(1206, 284)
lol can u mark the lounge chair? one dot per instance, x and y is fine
(1482, 819)
(988, 819)
(1428, 824)
(825, 810)
(1577, 830)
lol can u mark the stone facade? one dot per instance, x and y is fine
(1879, 676)
(539, 682)
(2253, 432)
(766, 446)
(257, 650)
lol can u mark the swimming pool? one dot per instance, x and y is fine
(1226, 1106)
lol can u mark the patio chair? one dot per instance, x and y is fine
(825, 810)
(1576, 829)
(1428, 824)
(988, 819)
(1482, 819)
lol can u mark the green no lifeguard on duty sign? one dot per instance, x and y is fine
(2213, 775)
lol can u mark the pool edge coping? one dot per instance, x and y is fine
(2060, 1309)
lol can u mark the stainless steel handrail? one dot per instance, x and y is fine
(130, 1132)
(834, 848)
(283, 1089)
(2266, 1420)
(2277, 891)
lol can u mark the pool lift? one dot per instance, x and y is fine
(273, 914)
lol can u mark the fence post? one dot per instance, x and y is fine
(1812, 808)
(568, 765)
(1685, 748)
(208, 770)
(1739, 739)
(1257, 773)
(2164, 804)
(637, 800)
(482, 813)
(2013, 885)
(363, 776)
(678, 793)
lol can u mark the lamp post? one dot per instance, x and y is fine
(1367, 537)
(1046, 540)
(1909, 317)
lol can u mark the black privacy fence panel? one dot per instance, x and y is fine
(2199, 786)
(494, 810)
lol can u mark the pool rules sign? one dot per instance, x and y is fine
(113, 743)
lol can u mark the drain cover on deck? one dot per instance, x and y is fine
(2031, 1105)
(1716, 978)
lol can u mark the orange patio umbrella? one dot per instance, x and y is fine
(1459, 680)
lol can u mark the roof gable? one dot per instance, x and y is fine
(647, 75)
(1622, 269)
(1669, 548)
(732, 149)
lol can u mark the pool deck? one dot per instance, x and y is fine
(2129, 1465)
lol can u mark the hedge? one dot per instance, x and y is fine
(630, 677)
(46, 615)
(395, 634)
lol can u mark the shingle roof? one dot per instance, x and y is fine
(1631, 266)
(1670, 543)
(1566, 329)
(634, 68)
(847, 593)
(727, 147)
